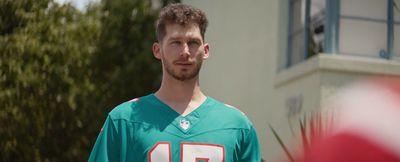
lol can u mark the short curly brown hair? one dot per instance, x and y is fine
(180, 14)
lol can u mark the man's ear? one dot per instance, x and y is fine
(206, 51)
(157, 50)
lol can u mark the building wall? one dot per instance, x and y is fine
(246, 69)
(243, 41)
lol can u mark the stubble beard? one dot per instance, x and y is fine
(180, 74)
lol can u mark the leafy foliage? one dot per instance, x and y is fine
(62, 70)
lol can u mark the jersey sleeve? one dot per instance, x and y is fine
(110, 145)
(250, 148)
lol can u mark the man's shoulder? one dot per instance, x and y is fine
(230, 114)
(129, 109)
(227, 108)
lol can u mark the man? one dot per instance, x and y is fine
(178, 123)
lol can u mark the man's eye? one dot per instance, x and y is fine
(191, 43)
(175, 43)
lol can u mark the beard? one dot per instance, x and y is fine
(183, 74)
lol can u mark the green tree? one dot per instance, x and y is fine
(45, 76)
(62, 70)
(124, 65)
(125, 59)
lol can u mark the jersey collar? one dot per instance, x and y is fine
(182, 123)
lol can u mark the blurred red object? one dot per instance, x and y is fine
(367, 128)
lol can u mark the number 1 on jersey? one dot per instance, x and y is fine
(190, 152)
(161, 152)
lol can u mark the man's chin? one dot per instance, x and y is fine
(185, 77)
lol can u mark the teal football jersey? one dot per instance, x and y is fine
(148, 130)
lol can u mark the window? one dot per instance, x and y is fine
(396, 24)
(363, 27)
(368, 28)
(306, 29)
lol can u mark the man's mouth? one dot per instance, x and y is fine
(184, 63)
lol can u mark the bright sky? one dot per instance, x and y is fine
(80, 4)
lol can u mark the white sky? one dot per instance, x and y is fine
(80, 4)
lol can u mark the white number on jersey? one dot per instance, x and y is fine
(161, 152)
(190, 152)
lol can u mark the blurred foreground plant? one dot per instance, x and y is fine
(315, 127)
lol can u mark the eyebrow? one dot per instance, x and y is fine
(180, 37)
(195, 39)
(173, 38)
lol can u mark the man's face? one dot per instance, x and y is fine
(181, 51)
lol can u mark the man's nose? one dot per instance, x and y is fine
(185, 50)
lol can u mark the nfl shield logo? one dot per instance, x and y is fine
(185, 124)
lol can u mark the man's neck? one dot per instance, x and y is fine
(182, 96)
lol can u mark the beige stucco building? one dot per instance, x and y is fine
(248, 66)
